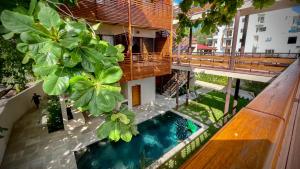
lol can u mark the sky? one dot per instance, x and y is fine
(176, 2)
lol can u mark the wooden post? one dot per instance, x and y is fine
(188, 88)
(171, 41)
(233, 48)
(130, 40)
(190, 40)
(177, 90)
(245, 29)
(228, 94)
(236, 96)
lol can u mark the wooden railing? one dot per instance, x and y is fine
(261, 63)
(145, 65)
(155, 14)
(263, 134)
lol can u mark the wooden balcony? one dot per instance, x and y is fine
(247, 63)
(156, 14)
(264, 134)
(145, 65)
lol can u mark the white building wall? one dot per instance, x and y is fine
(147, 90)
(278, 24)
(14, 109)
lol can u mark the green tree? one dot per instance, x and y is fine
(201, 37)
(220, 12)
(72, 61)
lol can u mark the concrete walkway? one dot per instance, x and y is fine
(242, 93)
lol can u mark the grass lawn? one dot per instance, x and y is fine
(220, 80)
(208, 108)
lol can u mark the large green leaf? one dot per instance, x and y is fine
(48, 16)
(51, 54)
(32, 6)
(70, 42)
(82, 90)
(127, 136)
(106, 101)
(31, 38)
(44, 70)
(55, 85)
(22, 47)
(71, 59)
(115, 133)
(111, 75)
(17, 22)
(104, 130)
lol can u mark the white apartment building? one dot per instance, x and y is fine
(270, 32)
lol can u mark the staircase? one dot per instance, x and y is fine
(170, 87)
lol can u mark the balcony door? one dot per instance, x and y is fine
(136, 95)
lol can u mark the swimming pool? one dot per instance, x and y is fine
(157, 136)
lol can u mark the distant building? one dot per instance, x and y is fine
(270, 32)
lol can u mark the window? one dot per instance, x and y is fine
(108, 38)
(260, 28)
(292, 40)
(228, 42)
(243, 20)
(261, 18)
(296, 20)
(269, 51)
(210, 42)
(268, 39)
(254, 49)
(242, 30)
(229, 33)
(256, 37)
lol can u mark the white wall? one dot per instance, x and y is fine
(14, 109)
(147, 90)
(277, 24)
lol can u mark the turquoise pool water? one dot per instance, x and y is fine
(157, 136)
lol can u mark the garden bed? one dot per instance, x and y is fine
(55, 120)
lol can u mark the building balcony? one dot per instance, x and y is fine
(143, 65)
(143, 14)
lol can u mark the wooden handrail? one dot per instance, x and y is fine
(260, 135)
(245, 63)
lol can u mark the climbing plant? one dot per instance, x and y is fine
(218, 12)
(12, 72)
(72, 61)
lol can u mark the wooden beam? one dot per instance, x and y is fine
(236, 96)
(177, 89)
(130, 40)
(188, 88)
(228, 94)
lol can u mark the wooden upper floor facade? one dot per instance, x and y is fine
(153, 14)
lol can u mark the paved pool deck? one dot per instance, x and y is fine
(31, 146)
